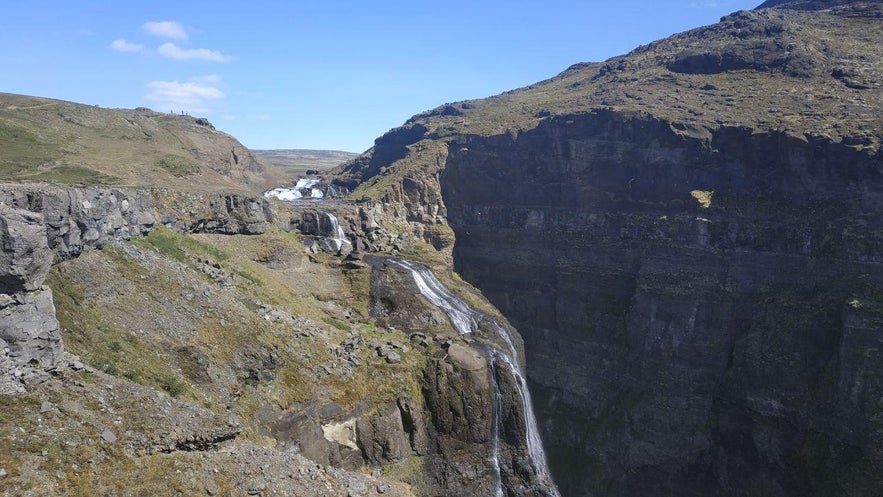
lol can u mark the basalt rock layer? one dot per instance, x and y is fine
(689, 239)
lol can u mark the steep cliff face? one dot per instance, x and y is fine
(698, 310)
(689, 239)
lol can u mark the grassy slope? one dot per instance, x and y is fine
(63, 142)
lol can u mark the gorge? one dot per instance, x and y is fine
(657, 275)
(688, 238)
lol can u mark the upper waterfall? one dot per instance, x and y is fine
(462, 316)
(466, 320)
(302, 189)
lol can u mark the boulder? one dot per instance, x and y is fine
(30, 330)
(382, 436)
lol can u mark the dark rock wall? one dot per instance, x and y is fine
(702, 309)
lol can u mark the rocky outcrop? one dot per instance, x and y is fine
(393, 434)
(472, 421)
(325, 226)
(41, 225)
(29, 332)
(76, 220)
(26, 258)
(227, 214)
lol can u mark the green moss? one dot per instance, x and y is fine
(359, 282)
(703, 197)
(411, 471)
(177, 165)
(74, 175)
(91, 332)
(340, 325)
(171, 384)
(254, 280)
(178, 246)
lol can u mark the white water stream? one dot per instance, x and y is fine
(338, 236)
(465, 320)
(304, 186)
(462, 316)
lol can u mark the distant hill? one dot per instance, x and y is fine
(299, 161)
(46, 140)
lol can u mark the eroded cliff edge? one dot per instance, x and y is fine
(689, 239)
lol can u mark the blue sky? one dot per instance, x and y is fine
(319, 74)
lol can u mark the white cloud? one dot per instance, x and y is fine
(175, 52)
(208, 78)
(189, 96)
(165, 29)
(122, 45)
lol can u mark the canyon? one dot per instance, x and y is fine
(661, 274)
(688, 238)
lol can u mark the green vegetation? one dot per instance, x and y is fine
(93, 334)
(61, 142)
(74, 175)
(340, 325)
(23, 150)
(703, 197)
(182, 248)
(177, 165)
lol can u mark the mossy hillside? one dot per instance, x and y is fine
(23, 149)
(45, 140)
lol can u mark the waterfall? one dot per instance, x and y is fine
(296, 192)
(462, 316)
(334, 234)
(498, 409)
(534, 442)
(465, 320)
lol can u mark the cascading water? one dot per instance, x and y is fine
(498, 408)
(297, 192)
(335, 234)
(465, 320)
(534, 442)
(462, 316)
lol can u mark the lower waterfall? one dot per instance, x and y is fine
(336, 233)
(466, 320)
